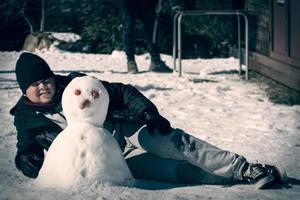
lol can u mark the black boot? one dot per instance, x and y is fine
(156, 64)
(159, 66)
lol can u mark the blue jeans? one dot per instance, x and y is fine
(177, 157)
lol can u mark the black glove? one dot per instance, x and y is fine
(46, 138)
(30, 164)
(155, 121)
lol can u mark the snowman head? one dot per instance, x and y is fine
(85, 99)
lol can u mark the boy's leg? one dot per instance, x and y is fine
(193, 155)
(144, 165)
(181, 146)
(182, 152)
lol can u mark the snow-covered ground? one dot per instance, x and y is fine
(210, 101)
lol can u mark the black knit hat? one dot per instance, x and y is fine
(31, 68)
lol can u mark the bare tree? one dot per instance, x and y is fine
(43, 16)
(34, 14)
(26, 18)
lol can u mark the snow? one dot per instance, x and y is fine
(60, 37)
(211, 101)
(85, 100)
(66, 37)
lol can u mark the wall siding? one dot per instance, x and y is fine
(259, 44)
(259, 17)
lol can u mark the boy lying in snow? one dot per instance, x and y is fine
(152, 148)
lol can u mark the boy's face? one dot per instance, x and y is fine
(41, 91)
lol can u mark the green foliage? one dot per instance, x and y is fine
(99, 22)
(102, 29)
(12, 25)
(208, 36)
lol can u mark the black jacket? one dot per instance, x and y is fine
(126, 104)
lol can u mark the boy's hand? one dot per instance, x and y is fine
(154, 121)
(30, 164)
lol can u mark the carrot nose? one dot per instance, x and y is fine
(85, 103)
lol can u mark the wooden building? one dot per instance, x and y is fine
(274, 34)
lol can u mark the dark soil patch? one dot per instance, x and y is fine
(277, 92)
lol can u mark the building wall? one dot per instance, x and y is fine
(260, 58)
(259, 14)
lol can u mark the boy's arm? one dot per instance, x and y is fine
(30, 155)
(128, 97)
(31, 144)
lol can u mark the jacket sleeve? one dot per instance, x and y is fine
(33, 136)
(63, 81)
(123, 96)
(128, 97)
(27, 144)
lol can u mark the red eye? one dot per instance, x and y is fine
(77, 92)
(95, 94)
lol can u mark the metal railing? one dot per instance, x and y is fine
(177, 34)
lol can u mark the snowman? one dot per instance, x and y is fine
(84, 153)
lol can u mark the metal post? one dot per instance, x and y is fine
(246, 46)
(179, 43)
(239, 44)
(175, 41)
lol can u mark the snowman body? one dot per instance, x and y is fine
(84, 153)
